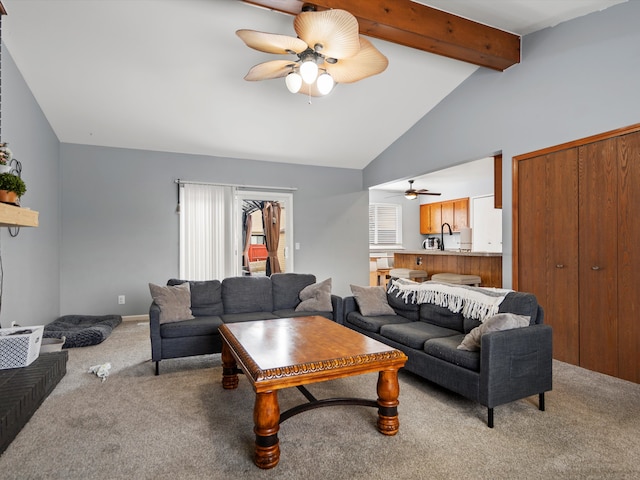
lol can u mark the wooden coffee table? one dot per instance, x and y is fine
(293, 352)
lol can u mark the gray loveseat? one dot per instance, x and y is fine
(510, 365)
(234, 299)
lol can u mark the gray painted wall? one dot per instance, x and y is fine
(577, 79)
(30, 293)
(120, 229)
(107, 221)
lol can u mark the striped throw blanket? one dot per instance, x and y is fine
(474, 302)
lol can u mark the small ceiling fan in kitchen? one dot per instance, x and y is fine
(412, 193)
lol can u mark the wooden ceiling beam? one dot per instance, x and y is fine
(424, 28)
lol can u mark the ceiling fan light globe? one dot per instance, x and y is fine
(411, 195)
(325, 83)
(293, 82)
(309, 71)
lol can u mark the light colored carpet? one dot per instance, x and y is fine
(183, 425)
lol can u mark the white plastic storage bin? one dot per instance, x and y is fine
(19, 346)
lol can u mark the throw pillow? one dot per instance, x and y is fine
(174, 302)
(372, 301)
(316, 297)
(501, 321)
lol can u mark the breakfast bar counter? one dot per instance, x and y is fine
(487, 265)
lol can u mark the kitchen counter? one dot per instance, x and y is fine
(486, 265)
(456, 251)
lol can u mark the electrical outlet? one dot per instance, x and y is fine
(120, 299)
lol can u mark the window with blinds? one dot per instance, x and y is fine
(385, 225)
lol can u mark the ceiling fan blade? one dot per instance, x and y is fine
(424, 192)
(369, 61)
(271, 42)
(335, 30)
(269, 70)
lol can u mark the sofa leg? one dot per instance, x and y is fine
(490, 417)
(541, 401)
(158, 367)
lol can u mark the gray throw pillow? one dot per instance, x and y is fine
(372, 301)
(501, 321)
(174, 302)
(316, 297)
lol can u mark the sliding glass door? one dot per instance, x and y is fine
(264, 232)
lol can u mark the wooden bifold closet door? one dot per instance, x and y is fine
(629, 257)
(598, 255)
(576, 240)
(548, 238)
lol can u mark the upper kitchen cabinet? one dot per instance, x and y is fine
(453, 212)
(460, 214)
(430, 218)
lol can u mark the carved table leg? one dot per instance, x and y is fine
(229, 368)
(266, 417)
(388, 391)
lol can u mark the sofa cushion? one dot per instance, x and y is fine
(316, 297)
(174, 302)
(247, 294)
(290, 312)
(407, 310)
(373, 324)
(286, 288)
(372, 301)
(207, 325)
(502, 321)
(521, 303)
(441, 316)
(206, 296)
(247, 317)
(445, 348)
(414, 334)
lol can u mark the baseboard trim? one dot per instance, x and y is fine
(135, 318)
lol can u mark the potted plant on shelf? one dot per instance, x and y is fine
(5, 158)
(12, 188)
(4, 167)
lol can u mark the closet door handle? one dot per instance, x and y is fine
(595, 267)
(559, 265)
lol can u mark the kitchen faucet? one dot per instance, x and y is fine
(442, 234)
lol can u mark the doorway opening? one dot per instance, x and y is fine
(265, 233)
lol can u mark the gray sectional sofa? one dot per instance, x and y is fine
(234, 299)
(510, 365)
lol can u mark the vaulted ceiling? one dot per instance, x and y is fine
(167, 75)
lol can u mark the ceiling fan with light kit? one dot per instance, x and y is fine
(412, 193)
(328, 47)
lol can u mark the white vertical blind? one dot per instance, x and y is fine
(206, 232)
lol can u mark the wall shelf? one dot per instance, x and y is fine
(12, 216)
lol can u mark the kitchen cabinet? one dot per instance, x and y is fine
(460, 214)
(575, 247)
(430, 218)
(453, 212)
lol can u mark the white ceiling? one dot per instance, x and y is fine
(167, 75)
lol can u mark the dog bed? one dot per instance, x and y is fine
(82, 330)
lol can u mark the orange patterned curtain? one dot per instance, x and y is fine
(271, 220)
(247, 243)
